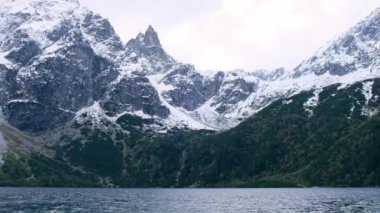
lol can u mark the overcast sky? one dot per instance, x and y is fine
(231, 34)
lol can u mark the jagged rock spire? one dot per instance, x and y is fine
(147, 39)
(148, 44)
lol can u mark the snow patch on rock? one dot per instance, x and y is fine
(312, 102)
(286, 102)
(368, 95)
(177, 116)
(367, 91)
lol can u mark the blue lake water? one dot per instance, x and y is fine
(189, 200)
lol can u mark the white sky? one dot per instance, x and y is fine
(231, 34)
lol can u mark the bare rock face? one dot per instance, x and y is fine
(148, 45)
(133, 93)
(50, 76)
(191, 89)
(356, 49)
(35, 117)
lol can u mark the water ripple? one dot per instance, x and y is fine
(189, 200)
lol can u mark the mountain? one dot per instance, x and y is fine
(60, 59)
(323, 137)
(132, 115)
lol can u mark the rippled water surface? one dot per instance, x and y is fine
(189, 200)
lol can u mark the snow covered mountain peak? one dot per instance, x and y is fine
(38, 6)
(48, 26)
(147, 39)
(151, 37)
(353, 50)
(60, 62)
(148, 45)
(374, 13)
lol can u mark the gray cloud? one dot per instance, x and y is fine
(229, 34)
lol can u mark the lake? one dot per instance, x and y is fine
(190, 200)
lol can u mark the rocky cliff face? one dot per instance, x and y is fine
(59, 62)
(357, 49)
(75, 60)
(149, 45)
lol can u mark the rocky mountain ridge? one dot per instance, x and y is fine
(60, 61)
